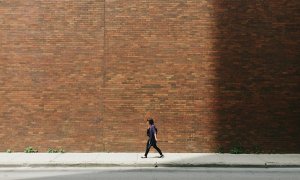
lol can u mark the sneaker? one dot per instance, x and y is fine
(161, 156)
(144, 157)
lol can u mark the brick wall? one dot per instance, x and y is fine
(82, 75)
(51, 56)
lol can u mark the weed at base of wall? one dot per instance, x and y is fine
(30, 149)
(53, 150)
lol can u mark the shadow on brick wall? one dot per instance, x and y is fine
(258, 75)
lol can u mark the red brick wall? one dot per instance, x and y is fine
(82, 75)
(51, 56)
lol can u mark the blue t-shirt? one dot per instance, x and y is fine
(152, 132)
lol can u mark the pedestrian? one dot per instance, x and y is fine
(152, 138)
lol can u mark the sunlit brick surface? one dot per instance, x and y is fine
(81, 75)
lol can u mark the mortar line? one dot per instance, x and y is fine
(103, 72)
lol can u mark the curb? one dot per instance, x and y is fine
(154, 165)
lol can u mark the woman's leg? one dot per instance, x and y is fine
(148, 146)
(157, 149)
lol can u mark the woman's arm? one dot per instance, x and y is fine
(155, 133)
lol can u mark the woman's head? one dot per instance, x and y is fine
(150, 121)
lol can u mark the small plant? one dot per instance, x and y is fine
(50, 150)
(9, 151)
(237, 149)
(62, 151)
(30, 149)
(53, 150)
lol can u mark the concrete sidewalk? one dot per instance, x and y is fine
(135, 160)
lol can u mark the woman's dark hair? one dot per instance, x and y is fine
(151, 121)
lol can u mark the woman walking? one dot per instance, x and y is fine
(152, 138)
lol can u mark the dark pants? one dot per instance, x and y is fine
(148, 146)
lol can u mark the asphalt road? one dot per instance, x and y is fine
(149, 173)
